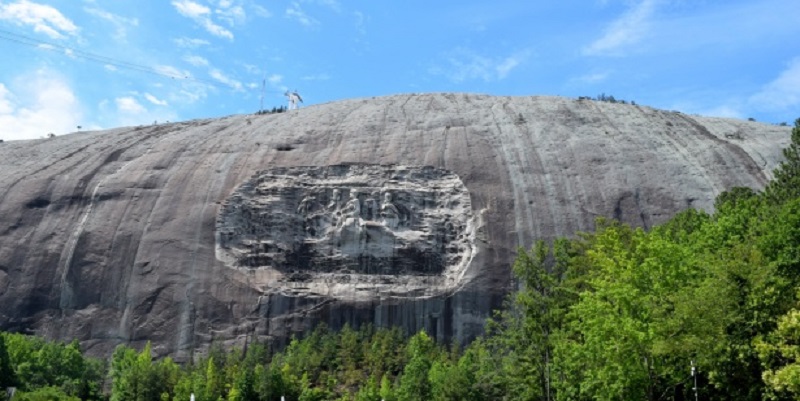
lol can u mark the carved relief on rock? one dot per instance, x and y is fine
(356, 224)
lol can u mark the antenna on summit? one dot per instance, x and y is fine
(293, 98)
(263, 88)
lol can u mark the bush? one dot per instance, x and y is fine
(44, 394)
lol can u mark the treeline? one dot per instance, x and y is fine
(703, 307)
(606, 98)
(274, 110)
(365, 364)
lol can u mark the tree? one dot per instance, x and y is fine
(733, 197)
(779, 353)
(8, 377)
(134, 377)
(49, 393)
(623, 338)
(387, 391)
(309, 392)
(370, 391)
(520, 337)
(414, 384)
(349, 356)
(450, 382)
(123, 364)
(785, 184)
(243, 386)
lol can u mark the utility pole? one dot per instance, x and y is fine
(263, 87)
(694, 376)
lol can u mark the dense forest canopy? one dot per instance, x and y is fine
(704, 306)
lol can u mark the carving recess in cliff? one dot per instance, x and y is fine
(345, 230)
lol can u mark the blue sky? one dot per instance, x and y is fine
(103, 64)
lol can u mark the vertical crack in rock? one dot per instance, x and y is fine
(350, 231)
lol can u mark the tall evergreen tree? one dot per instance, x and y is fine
(785, 184)
(7, 375)
(414, 384)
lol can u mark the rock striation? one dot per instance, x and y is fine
(399, 210)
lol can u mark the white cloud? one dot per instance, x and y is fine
(216, 30)
(276, 81)
(224, 79)
(295, 12)
(173, 72)
(127, 111)
(44, 19)
(196, 61)
(592, 78)
(233, 15)
(509, 63)
(183, 90)
(261, 11)
(361, 22)
(332, 4)
(463, 64)
(625, 31)
(190, 9)
(190, 43)
(201, 15)
(129, 105)
(6, 105)
(252, 69)
(40, 103)
(783, 93)
(728, 111)
(154, 100)
(190, 94)
(121, 23)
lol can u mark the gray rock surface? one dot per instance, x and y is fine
(351, 232)
(250, 226)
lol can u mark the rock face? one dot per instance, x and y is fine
(351, 232)
(402, 210)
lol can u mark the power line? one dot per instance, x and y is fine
(40, 44)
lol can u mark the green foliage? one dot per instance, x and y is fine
(37, 364)
(386, 391)
(274, 110)
(785, 184)
(605, 98)
(134, 377)
(7, 376)
(734, 197)
(414, 383)
(44, 394)
(779, 352)
(370, 391)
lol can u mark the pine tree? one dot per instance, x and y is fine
(7, 376)
(785, 184)
(414, 384)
